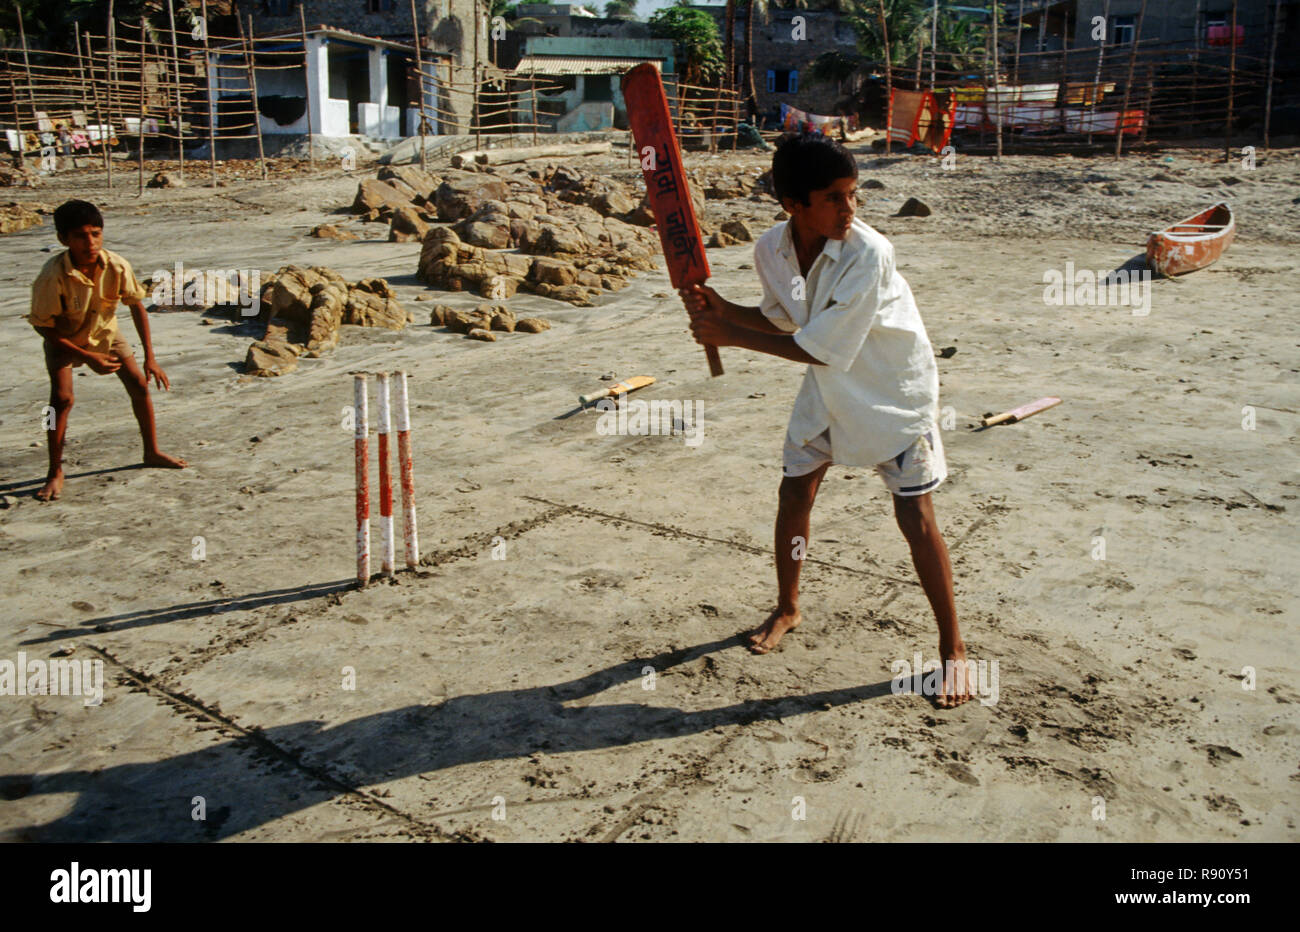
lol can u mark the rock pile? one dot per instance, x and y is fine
(304, 310)
(15, 217)
(485, 321)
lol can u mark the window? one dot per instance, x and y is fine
(277, 7)
(1125, 26)
(597, 87)
(782, 81)
(379, 6)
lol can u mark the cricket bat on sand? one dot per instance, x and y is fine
(666, 183)
(1020, 413)
(627, 385)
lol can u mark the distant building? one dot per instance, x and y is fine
(447, 36)
(586, 71)
(784, 49)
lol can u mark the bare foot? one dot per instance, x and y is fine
(163, 461)
(767, 635)
(52, 488)
(956, 677)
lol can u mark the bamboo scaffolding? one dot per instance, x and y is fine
(180, 109)
(1128, 83)
(140, 125)
(252, 85)
(889, 79)
(1232, 77)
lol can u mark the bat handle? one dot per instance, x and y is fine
(715, 362)
(594, 396)
(998, 419)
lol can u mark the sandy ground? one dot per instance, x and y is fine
(590, 685)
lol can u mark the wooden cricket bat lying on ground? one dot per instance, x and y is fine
(1020, 413)
(666, 183)
(619, 388)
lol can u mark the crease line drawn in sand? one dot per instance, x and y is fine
(692, 535)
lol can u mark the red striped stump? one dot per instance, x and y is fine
(361, 435)
(385, 477)
(410, 533)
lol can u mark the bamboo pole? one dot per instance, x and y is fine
(1128, 85)
(1196, 59)
(920, 57)
(18, 126)
(111, 93)
(27, 65)
(105, 129)
(247, 40)
(889, 79)
(1272, 53)
(1232, 81)
(474, 117)
(307, 85)
(1146, 107)
(213, 95)
(532, 85)
(1020, 13)
(997, 94)
(1101, 54)
(140, 127)
(934, 41)
(180, 109)
(81, 83)
(419, 76)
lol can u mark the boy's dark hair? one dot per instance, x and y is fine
(70, 215)
(808, 162)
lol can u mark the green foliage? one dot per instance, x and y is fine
(960, 41)
(696, 36)
(624, 8)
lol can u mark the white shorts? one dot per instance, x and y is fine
(917, 470)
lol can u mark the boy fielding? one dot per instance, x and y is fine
(74, 307)
(833, 299)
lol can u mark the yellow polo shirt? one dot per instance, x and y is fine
(79, 309)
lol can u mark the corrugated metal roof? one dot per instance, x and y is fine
(579, 64)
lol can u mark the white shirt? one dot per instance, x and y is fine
(879, 389)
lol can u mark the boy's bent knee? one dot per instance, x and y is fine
(798, 491)
(914, 515)
(61, 399)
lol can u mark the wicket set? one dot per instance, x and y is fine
(361, 403)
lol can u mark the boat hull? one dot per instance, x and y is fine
(1193, 243)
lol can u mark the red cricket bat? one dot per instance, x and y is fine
(666, 183)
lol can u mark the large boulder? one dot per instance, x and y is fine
(557, 239)
(738, 230)
(461, 193)
(268, 358)
(375, 195)
(407, 226)
(372, 303)
(552, 271)
(421, 184)
(488, 226)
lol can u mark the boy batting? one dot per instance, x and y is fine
(833, 300)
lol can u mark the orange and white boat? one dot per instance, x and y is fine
(1193, 243)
